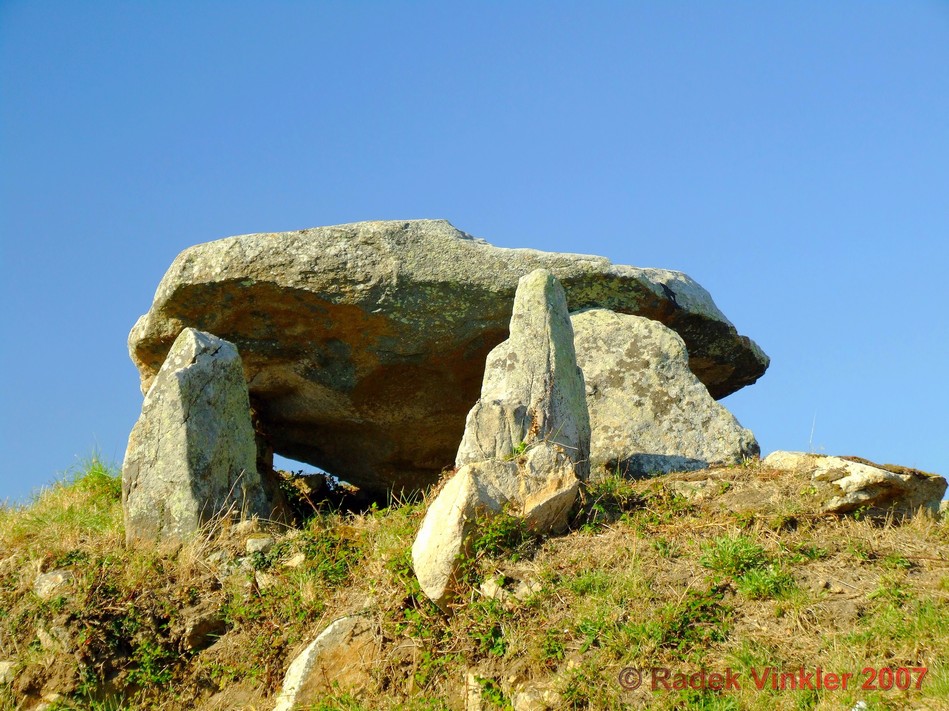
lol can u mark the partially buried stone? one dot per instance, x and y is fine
(48, 584)
(849, 483)
(192, 456)
(338, 660)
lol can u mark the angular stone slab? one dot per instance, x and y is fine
(849, 483)
(539, 486)
(364, 344)
(649, 414)
(341, 658)
(191, 456)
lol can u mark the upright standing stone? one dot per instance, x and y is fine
(191, 456)
(649, 413)
(533, 390)
(526, 443)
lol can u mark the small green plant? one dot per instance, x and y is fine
(553, 650)
(861, 551)
(503, 535)
(766, 582)
(860, 513)
(658, 507)
(891, 589)
(152, 664)
(755, 574)
(589, 582)
(611, 498)
(804, 552)
(705, 700)
(666, 548)
(896, 561)
(491, 693)
(699, 619)
(733, 555)
(486, 626)
(591, 630)
(338, 702)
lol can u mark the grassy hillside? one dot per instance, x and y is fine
(645, 579)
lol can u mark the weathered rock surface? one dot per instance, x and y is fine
(850, 483)
(533, 390)
(364, 345)
(202, 625)
(48, 584)
(340, 659)
(191, 455)
(527, 440)
(649, 413)
(787, 485)
(7, 672)
(539, 486)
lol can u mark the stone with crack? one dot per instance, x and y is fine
(192, 455)
(526, 443)
(846, 484)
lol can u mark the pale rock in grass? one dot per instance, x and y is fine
(50, 702)
(649, 413)
(472, 692)
(526, 441)
(259, 544)
(364, 345)
(246, 527)
(192, 456)
(202, 625)
(55, 639)
(536, 698)
(444, 534)
(49, 584)
(264, 580)
(542, 496)
(295, 561)
(846, 484)
(7, 672)
(340, 659)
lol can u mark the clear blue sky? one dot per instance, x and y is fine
(792, 157)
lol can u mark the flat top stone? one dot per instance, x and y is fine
(376, 263)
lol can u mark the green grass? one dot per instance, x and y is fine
(755, 573)
(645, 578)
(733, 555)
(85, 502)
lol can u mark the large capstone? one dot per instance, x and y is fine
(191, 456)
(649, 413)
(364, 345)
